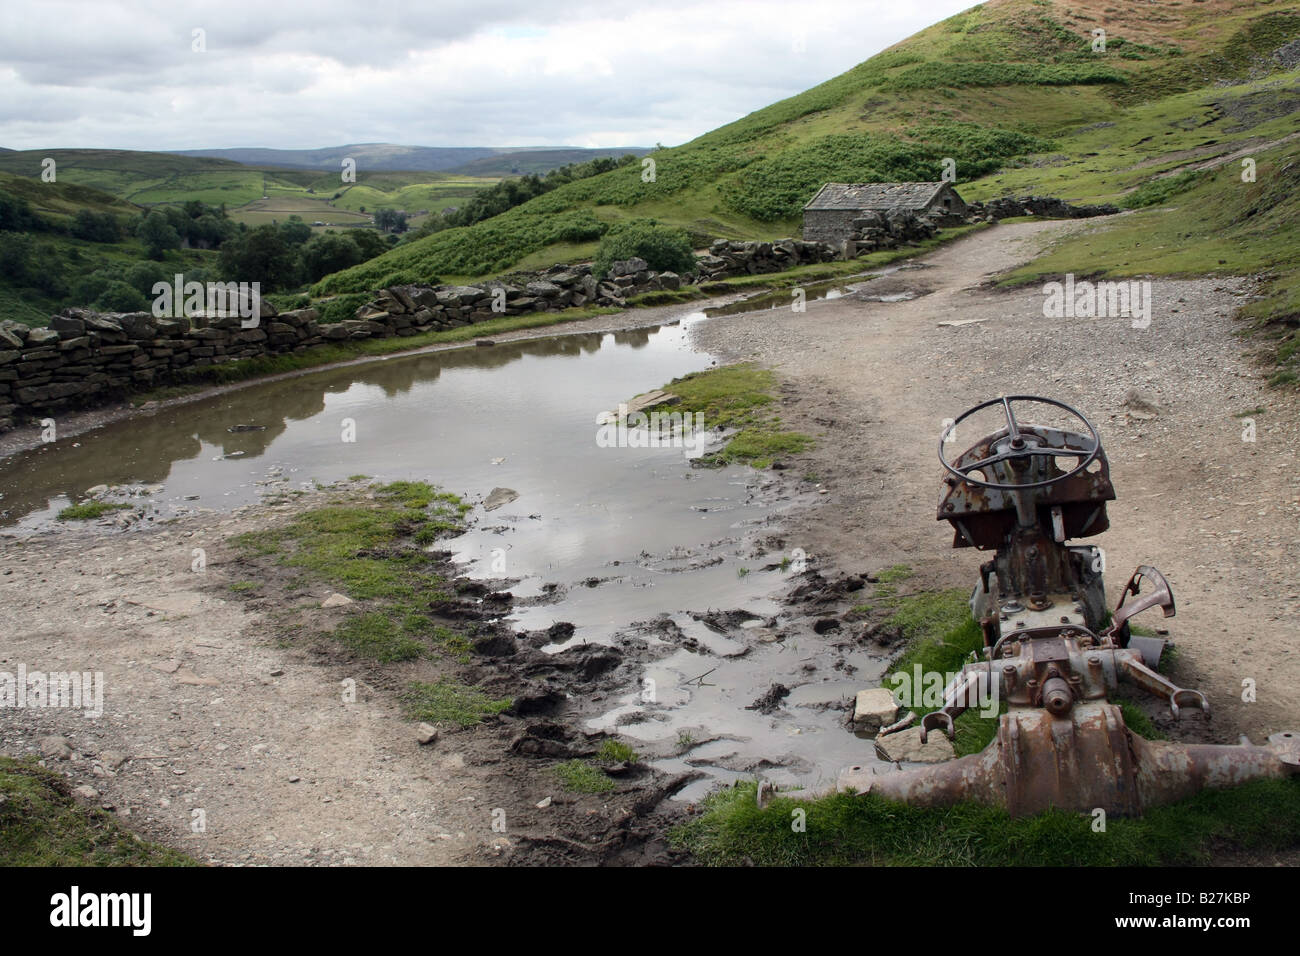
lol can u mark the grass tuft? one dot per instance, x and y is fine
(451, 702)
(578, 776)
(88, 510)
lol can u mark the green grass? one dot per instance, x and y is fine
(578, 776)
(894, 574)
(88, 510)
(451, 702)
(851, 830)
(41, 824)
(615, 751)
(1153, 192)
(738, 397)
(372, 552)
(940, 636)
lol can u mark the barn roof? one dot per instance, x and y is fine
(875, 196)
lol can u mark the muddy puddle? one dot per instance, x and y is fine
(893, 283)
(626, 544)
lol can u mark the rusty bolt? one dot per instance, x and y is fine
(1056, 696)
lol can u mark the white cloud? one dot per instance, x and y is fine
(459, 73)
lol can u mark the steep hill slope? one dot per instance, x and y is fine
(1011, 83)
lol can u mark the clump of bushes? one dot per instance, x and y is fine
(664, 249)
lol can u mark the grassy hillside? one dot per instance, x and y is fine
(1011, 90)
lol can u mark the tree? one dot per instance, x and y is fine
(96, 227)
(260, 255)
(120, 297)
(369, 242)
(390, 220)
(328, 253)
(16, 214)
(295, 231)
(15, 255)
(157, 234)
(87, 288)
(142, 276)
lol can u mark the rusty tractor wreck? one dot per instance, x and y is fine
(1024, 492)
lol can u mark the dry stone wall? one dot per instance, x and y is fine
(85, 358)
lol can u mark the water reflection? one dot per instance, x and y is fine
(149, 448)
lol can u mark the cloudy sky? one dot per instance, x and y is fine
(294, 75)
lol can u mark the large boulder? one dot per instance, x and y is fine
(628, 267)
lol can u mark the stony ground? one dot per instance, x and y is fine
(1219, 515)
(203, 712)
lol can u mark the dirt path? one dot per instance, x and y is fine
(202, 712)
(1218, 515)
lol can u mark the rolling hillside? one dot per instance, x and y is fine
(1012, 90)
(251, 194)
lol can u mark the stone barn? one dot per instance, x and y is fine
(829, 216)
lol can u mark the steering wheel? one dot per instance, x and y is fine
(1022, 444)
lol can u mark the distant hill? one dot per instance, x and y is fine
(470, 160)
(142, 177)
(253, 195)
(63, 199)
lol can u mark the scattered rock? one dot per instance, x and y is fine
(1140, 405)
(55, 747)
(86, 792)
(426, 734)
(112, 759)
(770, 700)
(906, 746)
(874, 708)
(543, 804)
(498, 497)
(336, 600)
(186, 676)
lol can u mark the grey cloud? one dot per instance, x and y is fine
(307, 75)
